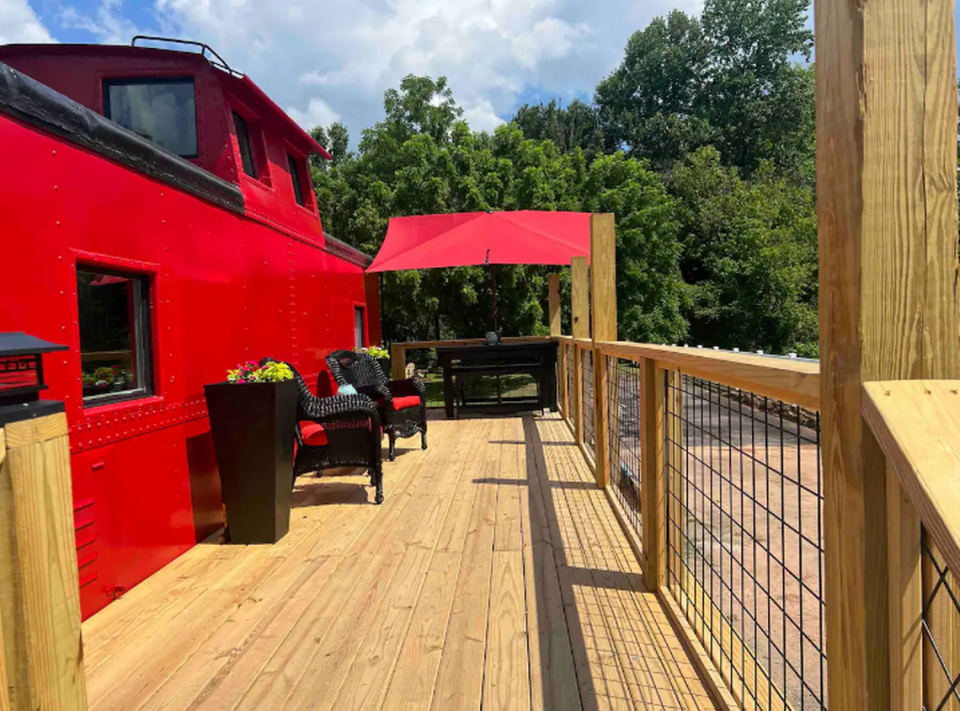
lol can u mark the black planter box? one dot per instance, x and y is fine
(253, 432)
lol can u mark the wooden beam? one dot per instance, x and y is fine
(562, 356)
(603, 296)
(579, 295)
(653, 496)
(553, 284)
(793, 381)
(886, 108)
(398, 361)
(580, 310)
(917, 426)
(906, 598)
(603, 277)
(39, 571)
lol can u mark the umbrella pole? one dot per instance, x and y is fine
(493, 284)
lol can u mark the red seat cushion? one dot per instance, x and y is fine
(402, 403)
(313, 434)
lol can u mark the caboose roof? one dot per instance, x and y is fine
(231, 80)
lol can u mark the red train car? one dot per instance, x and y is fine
(157, 216)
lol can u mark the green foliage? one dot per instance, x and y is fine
(251, 372)
(725, 79)
(702, 145)
(749, 255)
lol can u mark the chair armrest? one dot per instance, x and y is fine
(411, 386)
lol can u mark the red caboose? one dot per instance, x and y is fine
(163, 226)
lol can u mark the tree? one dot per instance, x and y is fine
(419, 161)
(727, 79)
(577, 126)
(336, 139)
(749, 256)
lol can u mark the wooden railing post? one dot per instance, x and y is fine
(887, 222)
(580, 310)
(603, 294)
(905, 590)
(653, 495)
(39, 586)
(398, 361)
(553, 285)
(562, 379)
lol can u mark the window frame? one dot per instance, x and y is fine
(244, 139)
(107, 82)
(361, 308)
(143, 330)
(258, 144)
(296, 166)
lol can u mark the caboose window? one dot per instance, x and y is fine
(294, 165)
(246, 147)
(161, 109)
(115, 352)
(358, 320)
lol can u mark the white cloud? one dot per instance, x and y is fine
(346, 53)
(107, 23)
(318, 113)
(481, 116)
(19, 23)
(548, 39)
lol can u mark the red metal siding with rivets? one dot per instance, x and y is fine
(226, 288)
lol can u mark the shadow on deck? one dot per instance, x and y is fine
(494, 576)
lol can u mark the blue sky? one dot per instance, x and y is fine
(329, 60)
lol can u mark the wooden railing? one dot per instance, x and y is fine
(711, 463)
(917, 425)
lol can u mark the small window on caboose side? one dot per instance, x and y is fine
(296, 177)
(116, 355)
(247, 156)
(359, 318)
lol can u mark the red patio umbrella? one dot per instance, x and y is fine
(468, 239)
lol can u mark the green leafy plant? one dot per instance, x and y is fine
(274, 373)
(374, 351)
(251, 372)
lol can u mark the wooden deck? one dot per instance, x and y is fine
(494, 576)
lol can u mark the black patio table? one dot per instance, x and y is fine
(538, 359)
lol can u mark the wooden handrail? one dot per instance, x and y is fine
(412, 345)
(793, 381)
(917, 424)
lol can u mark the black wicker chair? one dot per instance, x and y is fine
(338, 431)
(402, 403)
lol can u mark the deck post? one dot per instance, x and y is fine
(603, 295)
(653, 493)
(562, 378)
(398, 361)
(580, 313)
(39, 585)
(553, 284)
(886, 106)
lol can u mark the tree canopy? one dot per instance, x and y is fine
(701, 144)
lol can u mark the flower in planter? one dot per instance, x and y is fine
(251, 372)
(374, 351)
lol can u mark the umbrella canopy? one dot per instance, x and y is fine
(465, 239)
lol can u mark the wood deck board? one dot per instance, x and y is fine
(494, 576)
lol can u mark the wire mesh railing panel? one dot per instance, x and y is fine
(623, 436)
(571, 393)
(586, 406)
(745, 538)
(941, 632)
